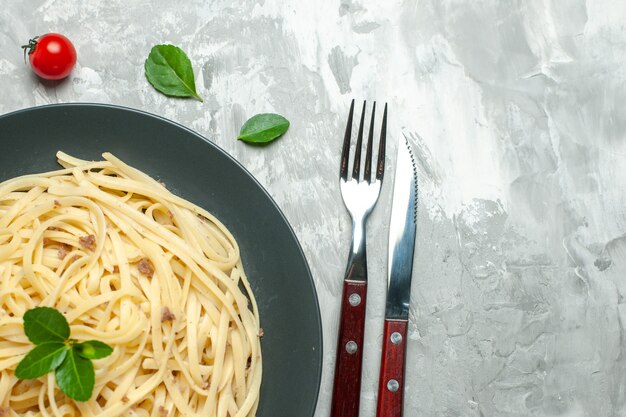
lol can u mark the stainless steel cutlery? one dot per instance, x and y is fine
(360, 194)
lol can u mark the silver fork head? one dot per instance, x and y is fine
(360, 194)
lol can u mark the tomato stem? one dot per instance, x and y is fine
(32, 44)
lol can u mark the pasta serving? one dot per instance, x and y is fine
(132, 265)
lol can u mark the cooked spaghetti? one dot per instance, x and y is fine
(132, 265)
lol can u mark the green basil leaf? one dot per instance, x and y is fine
(76, 376)
(263, 128)
(93, 349)
(45, 324)
(169, 70)
(42, 359)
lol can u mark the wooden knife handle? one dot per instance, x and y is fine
(347, 384)
(391, 382)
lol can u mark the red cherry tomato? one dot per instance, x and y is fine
(52, 56)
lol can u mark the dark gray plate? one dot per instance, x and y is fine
(201, 172)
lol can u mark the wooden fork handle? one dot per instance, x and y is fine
(391, 382)
(347, 384)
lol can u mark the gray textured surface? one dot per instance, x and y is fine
(515, 111)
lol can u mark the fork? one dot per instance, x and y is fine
(359, 196)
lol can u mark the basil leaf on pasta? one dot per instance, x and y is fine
(76, 376)
(41, 360)
(93, 349)
(45, 324)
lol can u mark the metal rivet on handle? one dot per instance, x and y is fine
(396, 338)
(354, 299)
(351, 347)
(393, 385)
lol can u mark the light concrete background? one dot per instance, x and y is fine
(515, 110)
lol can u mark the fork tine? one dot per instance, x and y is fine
(356, 169)
(345, 150)
(368, 155)
(380, 170)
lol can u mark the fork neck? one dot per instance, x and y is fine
(357, 259)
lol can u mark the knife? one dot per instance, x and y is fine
(402, 228)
